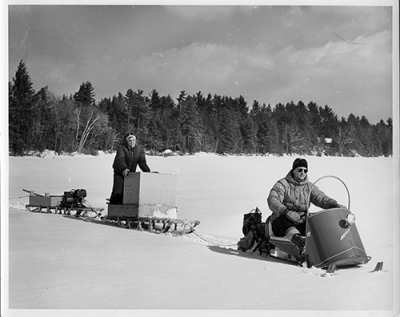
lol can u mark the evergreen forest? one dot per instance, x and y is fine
(39, 120)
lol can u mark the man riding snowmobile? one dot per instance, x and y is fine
(289, 200)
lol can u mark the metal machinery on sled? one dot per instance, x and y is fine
(71, 202)
(331, 240)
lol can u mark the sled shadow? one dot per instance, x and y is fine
(94, 221)
(122, 226)
(248, 255)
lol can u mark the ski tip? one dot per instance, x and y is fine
(378, 267)
(331, 268)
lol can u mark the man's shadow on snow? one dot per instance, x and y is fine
(250, 255)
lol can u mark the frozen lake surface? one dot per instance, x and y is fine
(56, 262)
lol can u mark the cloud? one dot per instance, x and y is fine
(340, 74)
(19, 10)
(208, 13)
(199, 66)
(336, 55)
(347, 18)
(372, 55)
(49, 72)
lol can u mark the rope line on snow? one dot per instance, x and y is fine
(18, 197)
(215, 242)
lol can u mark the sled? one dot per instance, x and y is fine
(148, 205)
(59, 204)
(123, 216)
(150, 217)
(42, 202)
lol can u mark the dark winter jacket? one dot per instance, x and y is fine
(127, 158)
(288, 194)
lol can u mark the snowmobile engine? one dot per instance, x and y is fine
(73, 198)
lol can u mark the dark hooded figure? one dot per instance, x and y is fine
(128, 156)
(289, 200)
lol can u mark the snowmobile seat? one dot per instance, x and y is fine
(284, 247)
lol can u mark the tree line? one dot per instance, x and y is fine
(39, 120)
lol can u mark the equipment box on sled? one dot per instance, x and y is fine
(44, 201)
(147, 195)
(122, 210)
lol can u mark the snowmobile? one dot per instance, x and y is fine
(332, 240)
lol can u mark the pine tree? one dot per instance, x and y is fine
(156, 128)
(167, 114)
(353, 123)
(132, 113)
(181, 98)
(44, 120)
(262, 119)
(85, 95)
(16, 143)
(249, 135)
(387, 137)
(345, 137)
(65, 125)
(21, 105)
(190, 125)
(119, 115)
(226, 132)
(216, 123)
(139, 112)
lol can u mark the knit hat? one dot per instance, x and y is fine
(126, 136)
(299, 162)
(129, 134)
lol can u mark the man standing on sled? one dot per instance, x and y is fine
(128, 156)
(289, 200)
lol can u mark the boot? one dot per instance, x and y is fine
(299, 241)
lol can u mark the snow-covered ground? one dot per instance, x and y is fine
(57, 262)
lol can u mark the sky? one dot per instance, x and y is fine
(340, 56)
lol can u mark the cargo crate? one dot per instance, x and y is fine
(147, 195)
(122, 211)
(150, 188)
(49, 201)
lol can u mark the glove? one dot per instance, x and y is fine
(296, 217)
(125, 172)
